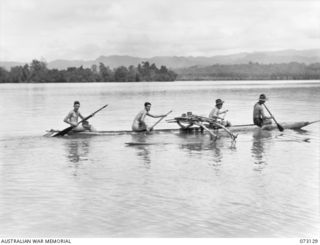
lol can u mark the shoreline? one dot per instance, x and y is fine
(195, 80)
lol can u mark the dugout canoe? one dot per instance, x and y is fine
(234, 128)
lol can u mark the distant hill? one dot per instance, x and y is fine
(176, 62)
(250, 71)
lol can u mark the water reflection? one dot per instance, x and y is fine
(217, 156)
(143, 151)
(215, 159)
(199, 143)
(194, 142)
(260, 137)
(77, 151)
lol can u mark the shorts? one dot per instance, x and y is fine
(258, 122)
(138, 127)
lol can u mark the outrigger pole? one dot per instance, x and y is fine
(206, 129)
(233, 136)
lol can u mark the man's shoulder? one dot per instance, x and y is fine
(72, 112)
(258, 107)
(214, 109)
(140, 113)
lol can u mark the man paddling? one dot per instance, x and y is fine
(259, 117)
(73, 117)
(139, 123)
(216, 113)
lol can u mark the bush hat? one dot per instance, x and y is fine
(219, 102)
(262, 97)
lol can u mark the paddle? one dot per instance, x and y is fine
(278, 125)
(68, 129)
(151, 128)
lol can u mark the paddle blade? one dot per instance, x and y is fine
(63, 132)
(280, 127)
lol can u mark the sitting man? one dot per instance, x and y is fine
(259, 117)
(73, 117)
(216, 113)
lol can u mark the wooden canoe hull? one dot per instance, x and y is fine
(235, 128)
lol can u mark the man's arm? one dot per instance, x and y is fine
(263, 115)
(67, 119)
(154, 116)
(142, 117)
(223, 112)
(214, 114)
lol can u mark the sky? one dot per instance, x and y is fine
(86, 29)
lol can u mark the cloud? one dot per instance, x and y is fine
(81, 29)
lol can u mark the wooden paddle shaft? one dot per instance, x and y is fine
(278, 125)
(91, 115)
(160, 120)
(270, 113)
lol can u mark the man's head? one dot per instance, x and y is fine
(262, 98)
(147, 106)
(219, 103)
(76, 105)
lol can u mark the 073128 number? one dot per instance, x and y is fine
(305, 240)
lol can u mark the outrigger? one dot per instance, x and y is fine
(187, 121)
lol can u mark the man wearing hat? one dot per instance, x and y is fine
(259, 117)
(216, 113)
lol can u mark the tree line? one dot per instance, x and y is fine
(251, 71)
(38, 72)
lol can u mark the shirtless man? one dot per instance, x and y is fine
(73, 117)
(216, 113)
(139, 123)
(259, 117)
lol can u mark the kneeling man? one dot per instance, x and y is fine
(139, 123)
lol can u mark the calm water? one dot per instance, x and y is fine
(266, 185)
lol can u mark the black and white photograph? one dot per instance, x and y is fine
(153, 119)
